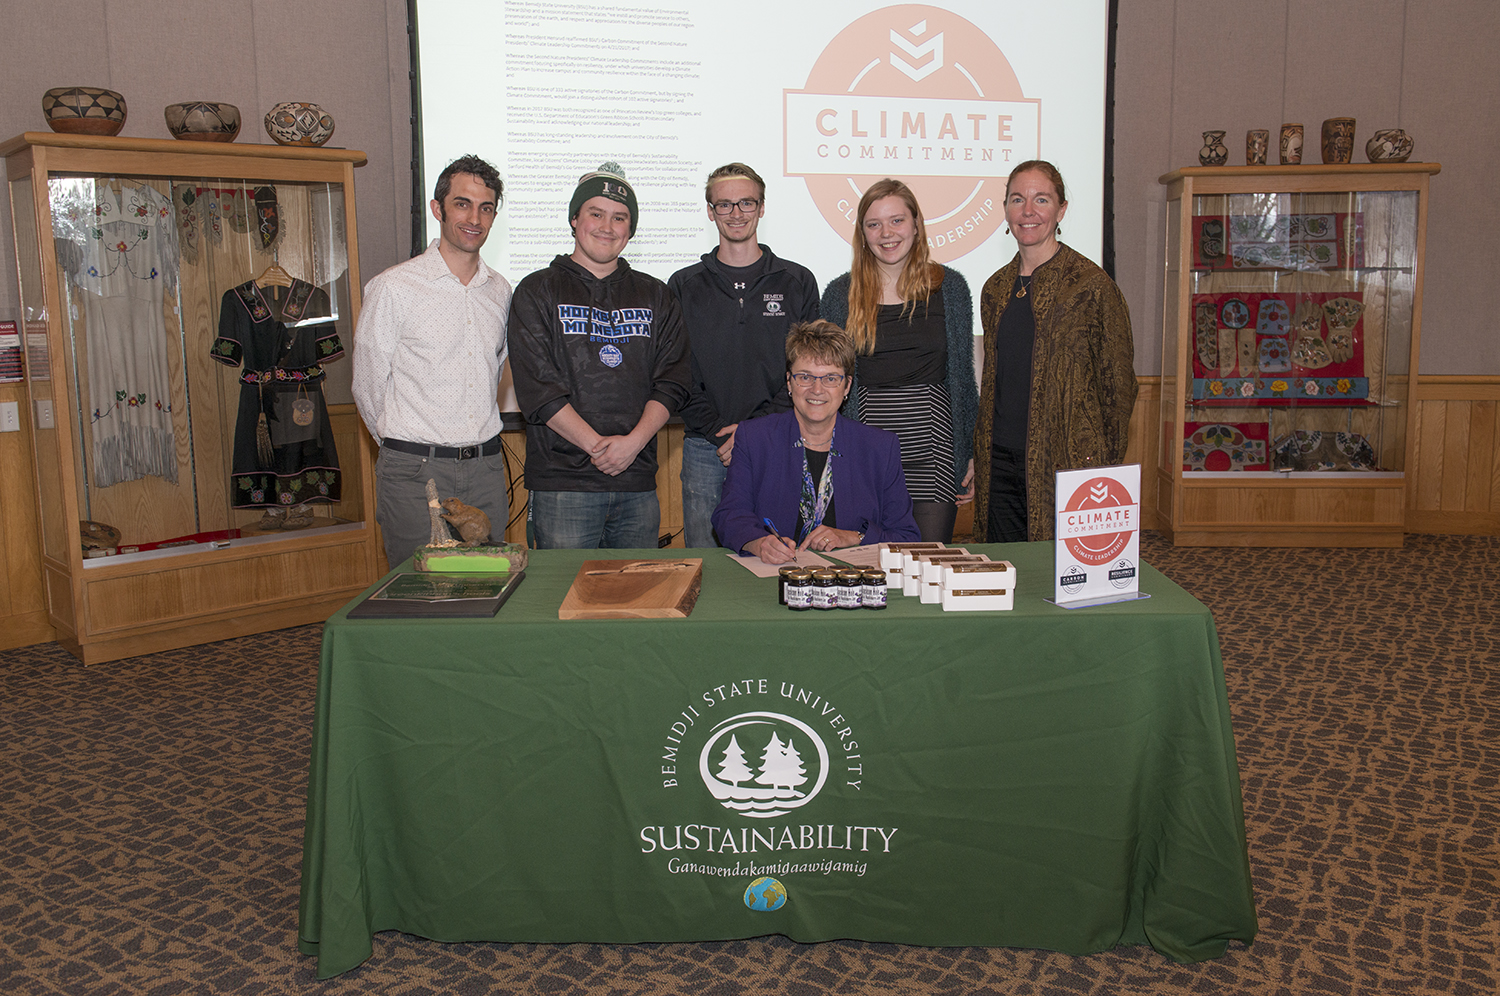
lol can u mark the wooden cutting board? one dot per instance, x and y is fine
(634, 589)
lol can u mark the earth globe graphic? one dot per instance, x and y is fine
(765, 894)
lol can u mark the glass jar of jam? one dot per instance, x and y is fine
(825, 589)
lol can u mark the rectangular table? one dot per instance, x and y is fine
(1036, 778)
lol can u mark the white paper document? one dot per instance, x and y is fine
(858, 556)
(761, 569)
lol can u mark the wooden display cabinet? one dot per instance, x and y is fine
(125, 250)
(1290, 333)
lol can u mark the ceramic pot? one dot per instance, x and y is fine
(1338, 140)
(1214, 151)
(84, 110)
(1389, 145)
(297, 122)
(203, 121)
(1257, 142)
(1291, 145)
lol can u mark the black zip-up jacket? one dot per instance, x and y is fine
(604, 346)
(739, 338)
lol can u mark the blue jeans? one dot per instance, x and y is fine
(702, 485)
(595, 520)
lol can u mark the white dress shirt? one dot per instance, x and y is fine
(428, 352)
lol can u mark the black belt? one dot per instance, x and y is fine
(487, 448)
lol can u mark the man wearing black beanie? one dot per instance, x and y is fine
(599, 358)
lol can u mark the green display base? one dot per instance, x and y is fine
(493, 559)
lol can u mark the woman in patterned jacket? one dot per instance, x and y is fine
(1059, 366)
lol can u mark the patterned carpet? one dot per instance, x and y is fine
(151, 816)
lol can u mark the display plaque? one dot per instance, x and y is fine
(1098, 535)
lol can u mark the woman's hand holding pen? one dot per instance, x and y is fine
(772, 548)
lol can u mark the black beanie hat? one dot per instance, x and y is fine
(606, 181)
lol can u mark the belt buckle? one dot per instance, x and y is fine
(468, 452)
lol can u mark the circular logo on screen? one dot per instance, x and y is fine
(763, 764)
(1098, 522)
(611, 356)
(922, 94)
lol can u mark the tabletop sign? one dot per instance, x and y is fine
(634, 589)
(1098, 535)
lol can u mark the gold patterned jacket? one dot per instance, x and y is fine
(1082, 380)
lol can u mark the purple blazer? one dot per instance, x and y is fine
(765, 482)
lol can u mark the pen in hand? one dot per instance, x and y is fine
(790, 547)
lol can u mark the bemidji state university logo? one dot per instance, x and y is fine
(921, 94)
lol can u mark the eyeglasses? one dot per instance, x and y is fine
(805, 380)
(745, 204)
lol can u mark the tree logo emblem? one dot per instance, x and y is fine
(763, 764)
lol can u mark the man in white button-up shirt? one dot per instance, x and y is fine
(427, 357)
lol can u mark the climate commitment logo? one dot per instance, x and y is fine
(1098, 520)
(919, 93)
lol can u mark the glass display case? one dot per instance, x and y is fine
(189, 309)
(1292, 311)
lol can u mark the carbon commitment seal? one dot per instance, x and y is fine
(919, 93)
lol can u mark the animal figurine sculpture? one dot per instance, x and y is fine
(472, 524)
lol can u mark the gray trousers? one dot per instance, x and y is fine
(401, 496)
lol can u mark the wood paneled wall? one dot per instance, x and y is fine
(1454, 483)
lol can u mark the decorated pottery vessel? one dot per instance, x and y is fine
(84, 110)
(1214, 151)
(1291, 145)
(1338, 140)
(1389, 145)
(203, 121)
(1257, 143)
(297, 122)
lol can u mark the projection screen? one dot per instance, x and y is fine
(822, 99)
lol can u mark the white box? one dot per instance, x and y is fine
(929, 568)
(979, 587)
(891, 560)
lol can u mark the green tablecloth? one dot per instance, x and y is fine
(1037, 778)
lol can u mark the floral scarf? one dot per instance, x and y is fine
(813, 504)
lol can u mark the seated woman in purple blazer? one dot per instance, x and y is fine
(834, 481)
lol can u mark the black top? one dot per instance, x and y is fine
(741, 277)
(816, 461)
(738, 334)
(606, 346)
(910, 348)
(1013, 341)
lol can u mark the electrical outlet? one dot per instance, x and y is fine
(10, 416)
(42, 414)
